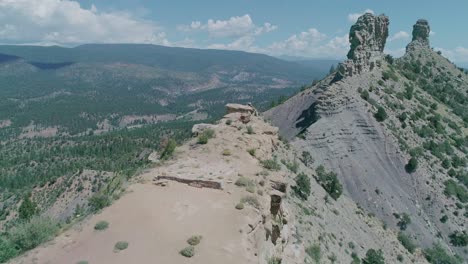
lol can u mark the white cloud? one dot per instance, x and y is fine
(299, 42)
(66, 22)
(354, 16)
(399, 35)
(458, 54)
(245, 43)
(234, 27)
(311, 43)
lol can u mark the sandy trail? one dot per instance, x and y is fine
(156, 222)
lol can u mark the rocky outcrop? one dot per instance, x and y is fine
(421, 31)
(239, 108)
(199, 128)
(367, 37)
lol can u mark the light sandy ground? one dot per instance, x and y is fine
(156, 222)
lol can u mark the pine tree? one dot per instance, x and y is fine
(27, 208)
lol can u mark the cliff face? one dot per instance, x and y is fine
(421, 31)
(364, 122)
(367, 38)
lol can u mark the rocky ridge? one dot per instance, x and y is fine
(336, 121)
(367, 38)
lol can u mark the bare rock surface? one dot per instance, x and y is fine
(335, 122)
(157, 217)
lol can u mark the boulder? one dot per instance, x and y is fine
(367, 37)
(239, 108)
(421, 32)
(199, 128)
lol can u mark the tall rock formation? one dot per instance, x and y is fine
(367, 38)
(337, 121)
(421, 31)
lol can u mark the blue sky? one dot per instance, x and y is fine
(314, 29)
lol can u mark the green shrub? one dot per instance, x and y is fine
(244, 181)
(459, 239)
(194, 240)
(412, 165)
(381, 115)
(28, 235)
(239, 206)
(302, 188)
(99, 201)
(168, 150)
(365, 95)
(121, 245)
(271, 164)
(274, 260)
(250, 188)
(101, 225)
(355, 258)
(250, 130)
(389, 75)
(7, 250)
(438, 255)
(374, 257)
(409, 92)
(228, 122)
(292, 166)
(329, 181)
(251, 152)
(188, 252)
(82, 262)
(400, 258)
(444, 219)
(406, 242)
(446, 163)
(27, 208)
(251, 200)
(405, 220)
(306, 158)
(314, 252)
(206, 135)
(453, 189)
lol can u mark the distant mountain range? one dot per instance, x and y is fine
(77, 88)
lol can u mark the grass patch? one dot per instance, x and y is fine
(251, 200)
(206, 135)
(406, 242)
(101, 225)
(251, 152)
(194, 240)
(274, 260)
(329, 181)
(243, 182)
(239, 206)
(168, 150)
(437, 255)
(302, 188)
(453, 189)
(121, 245)
(271, 164)
(28, 235)
(188, 252)
(314, 252)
